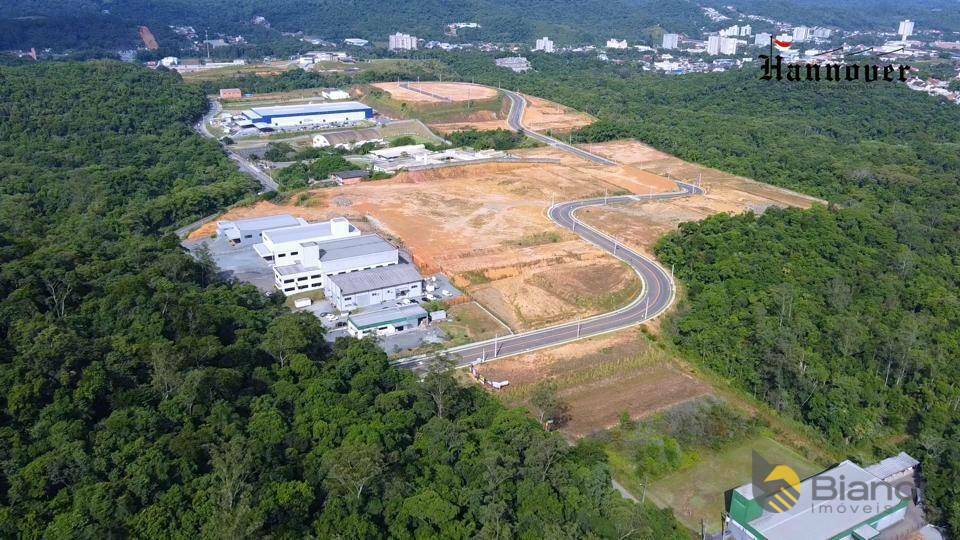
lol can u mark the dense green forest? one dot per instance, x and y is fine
(141, 396)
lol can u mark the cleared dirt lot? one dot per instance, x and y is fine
(600, 378)
(441, 92)
(640, 225)
(543, 115)
(486, 226)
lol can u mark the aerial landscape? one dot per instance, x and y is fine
(325, 269)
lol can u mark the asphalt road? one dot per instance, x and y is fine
(658, 292)
(242, 163)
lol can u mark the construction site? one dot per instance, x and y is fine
(485, 225)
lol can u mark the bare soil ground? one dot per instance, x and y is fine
(600, 378)
(450, 91)
(543, 115)
(640, 225)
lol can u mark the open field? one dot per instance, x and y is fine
(267, 69)
(469, 322)
(697, 492)
(600, 378)
(437, 92)
(641, 225)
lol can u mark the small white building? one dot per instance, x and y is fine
(614, 43)
(363, 288)
(335, 95)
(385, 322)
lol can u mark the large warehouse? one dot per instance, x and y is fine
(368, 287)
(311, 114)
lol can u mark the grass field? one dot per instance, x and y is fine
(697, 492)
(468, 323)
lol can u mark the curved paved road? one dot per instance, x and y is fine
(658, 286)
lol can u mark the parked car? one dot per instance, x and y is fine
(446, 293)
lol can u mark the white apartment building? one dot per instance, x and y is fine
(905, 29)
(721, 45)
(544, 44)
(671, 41)
(801, 34)
(614, 43)
(762, 39)
(746, 30)
(402, 42)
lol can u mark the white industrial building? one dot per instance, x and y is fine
(402, 42)
(348, 139)
(671, 41)
(319, 260)
(312, 114)
(250, 231)
(286, 245)
(544, 44)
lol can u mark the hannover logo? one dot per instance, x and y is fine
(775, 487)
(773, 67)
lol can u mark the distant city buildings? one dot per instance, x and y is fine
(801, 34)
(614, 43)
(671, 41)
(905, 29)
(735, 31)
(356, 42)
(721, 45)
(517, 64)
(544, 44)
(820, 32)
(402, 42)
(762, 39)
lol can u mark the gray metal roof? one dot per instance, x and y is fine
(308, 108)
(354, 246)
(810, 518)
(262, 223)
(376, 278)
(353, 173)
(893, 465)
(371, 319)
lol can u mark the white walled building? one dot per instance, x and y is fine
(311, 114)
(286, 246)
(746, 30)
(762, 39)
(614, 43)
(671, 41)
(801, 34)
(402, 42)
(721, 45)
(905, 29)
(321, 260)
(250, 231)
(544, 44)
(363, 288)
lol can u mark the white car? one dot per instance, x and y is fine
(330, 317)
(446, 293)
(431, 297)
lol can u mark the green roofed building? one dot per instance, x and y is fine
(845, 502)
